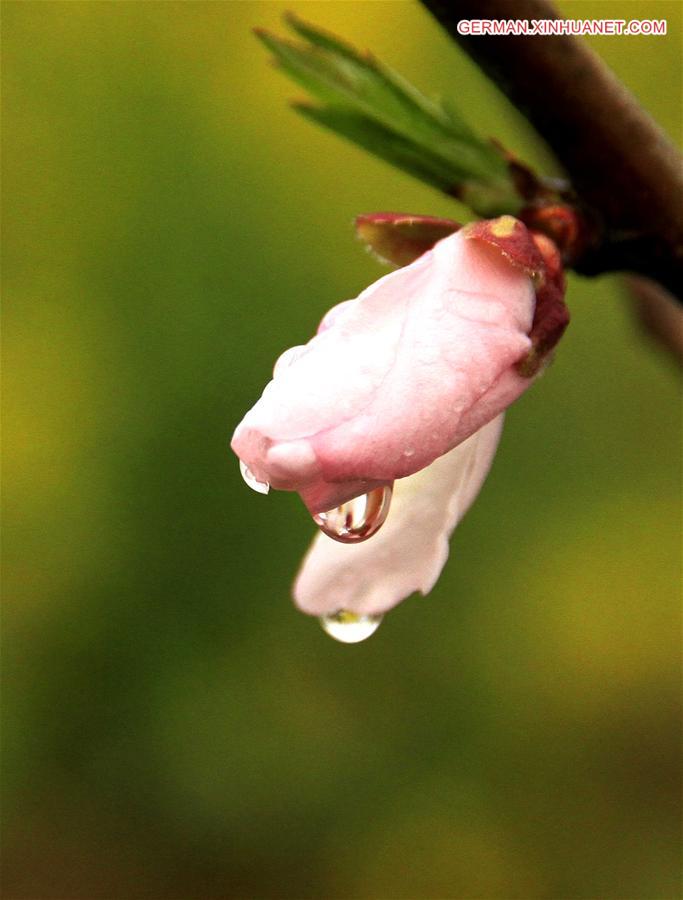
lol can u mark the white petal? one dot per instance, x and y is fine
(408, 553)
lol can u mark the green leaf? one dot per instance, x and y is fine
(320, 38)
(409, 94)
(382, 142)
(491, 198)
(369, 104)
(341, 80)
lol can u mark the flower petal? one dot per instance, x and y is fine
(408, 553)
(395, 378)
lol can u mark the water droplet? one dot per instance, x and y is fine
(261, 487)
(357, 519)
(349, 628)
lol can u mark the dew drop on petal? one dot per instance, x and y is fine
(349, 628)
(261, 487)
(357, 519)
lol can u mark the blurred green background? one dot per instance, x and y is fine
(173, 727)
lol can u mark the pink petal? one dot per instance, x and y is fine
(408, 553)
(395, 378)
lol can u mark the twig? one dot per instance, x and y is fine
(627, 175)
(658, 315)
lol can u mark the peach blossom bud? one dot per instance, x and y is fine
(405, 384)
(396, 378)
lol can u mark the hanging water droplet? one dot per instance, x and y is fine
(349, 628)
(357, 519)
(261, 487)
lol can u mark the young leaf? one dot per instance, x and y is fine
(491, 198)
(366, 102)
(409, 94)
(384, 143)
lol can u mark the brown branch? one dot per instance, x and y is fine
(627, 175)
(657, 314)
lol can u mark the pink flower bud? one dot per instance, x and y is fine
(419, 363)
(396, 378)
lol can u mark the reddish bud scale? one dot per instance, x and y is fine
(539, 257)
(561, 223)
(551, 315)
(398, 238)
(512, 239)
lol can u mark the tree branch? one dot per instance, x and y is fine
(658, 315)
(627, 176)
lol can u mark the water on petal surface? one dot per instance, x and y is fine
(357, 519)
(261, 487)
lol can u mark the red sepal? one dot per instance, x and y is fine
(400, 238)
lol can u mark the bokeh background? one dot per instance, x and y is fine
(173, 727)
